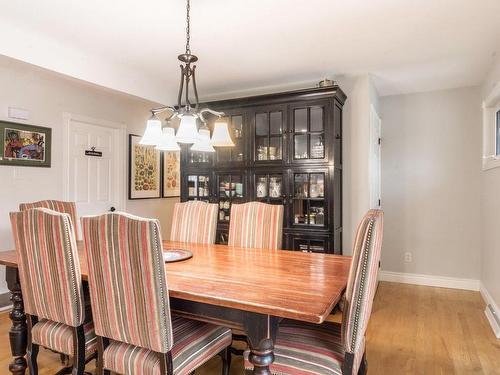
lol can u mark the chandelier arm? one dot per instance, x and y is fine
(156, 111)
(208, 110)
(195, 88)
(181, 87)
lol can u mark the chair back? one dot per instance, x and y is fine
(127, 280)
(194, 221)
(49, 267)
(256, 225)
(362, 282)
(58, 206)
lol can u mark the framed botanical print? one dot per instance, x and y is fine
(144, 170)
(24, 145)
(171, 174)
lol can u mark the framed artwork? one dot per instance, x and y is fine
(171, 174)
(144, 170)
(24, 145)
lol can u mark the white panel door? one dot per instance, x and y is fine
(95, 183)
(375, 159)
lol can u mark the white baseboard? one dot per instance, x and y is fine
(492, 311)
(430, 280)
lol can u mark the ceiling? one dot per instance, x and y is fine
(244, 46)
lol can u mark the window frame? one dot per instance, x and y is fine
(491, 129)
(497, 131)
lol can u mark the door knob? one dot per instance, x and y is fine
(112, 209)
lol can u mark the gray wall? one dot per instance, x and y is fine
(431, 173)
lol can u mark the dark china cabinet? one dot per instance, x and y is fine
(288, 150)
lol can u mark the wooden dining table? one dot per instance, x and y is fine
(250, 290)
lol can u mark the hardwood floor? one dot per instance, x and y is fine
(413, 330)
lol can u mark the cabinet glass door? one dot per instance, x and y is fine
(200, 158)
(269, 188)
(230, 190)
(198, 187)
(268, 145)
(309, 206)
(236, 130)
(308, 133)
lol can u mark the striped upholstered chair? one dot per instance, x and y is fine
(194, 221)
(136, 333)
(49, 271)
(58, 206)
(256, 225)
(331, 348)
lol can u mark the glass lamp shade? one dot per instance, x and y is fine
(167, 141)
(203, 142)
(153, 133)
(221, 137)
(187, 132)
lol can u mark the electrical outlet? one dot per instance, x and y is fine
(408, 257)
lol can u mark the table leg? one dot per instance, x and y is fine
(261, 331)
(18, 332)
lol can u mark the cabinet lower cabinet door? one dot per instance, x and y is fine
(198, 187)
(310, 197)
(230, 190)
(269, 187)
(310, 243)
(221, 237)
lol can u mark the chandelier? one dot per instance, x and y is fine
(188, 112)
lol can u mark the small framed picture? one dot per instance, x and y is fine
(171, 174)
(144, 170)
(24, 145)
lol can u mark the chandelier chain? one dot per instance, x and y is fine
(188, 27)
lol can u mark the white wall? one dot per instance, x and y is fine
(431, 183)
(490, 211)
(47, 95)
(361, 94)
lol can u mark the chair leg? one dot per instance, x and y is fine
(32, 349)
(102, 343)
(31, 358)
(241, 338)
(226, 360)
(64, 359)
(79, 351)
(363, 367)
